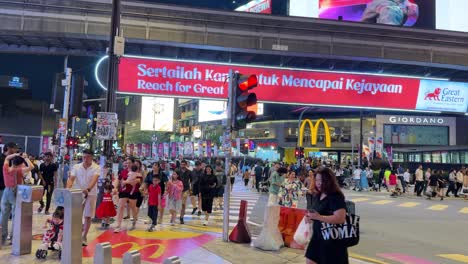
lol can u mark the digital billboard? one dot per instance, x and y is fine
(450, 15)
(409, 13)
(211, 110)
(256, 6)
(157, 114)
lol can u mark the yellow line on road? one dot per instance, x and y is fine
(438, 207)
(364, 258)
(382, 202)
(408, 204)
(464, 210)
(456, 257)
(356, 200)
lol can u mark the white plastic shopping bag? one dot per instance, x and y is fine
(303, 232)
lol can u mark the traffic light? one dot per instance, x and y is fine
(301, 153)
(72, 142)
(245, 104)
(297, 152)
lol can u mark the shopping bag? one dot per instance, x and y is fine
(346, 234)
(303, 232)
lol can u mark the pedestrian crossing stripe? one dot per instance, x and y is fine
(382, 202)
(456, 257)
(464, 210)
(438, 207)
(356, 200)
(408, 204)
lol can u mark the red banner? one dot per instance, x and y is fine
(189, 79)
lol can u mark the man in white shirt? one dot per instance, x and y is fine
(419, 177)
(84, 176)
(357, 179)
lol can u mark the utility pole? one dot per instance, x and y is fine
(228, 139)
(66, 83)
(112, 72)
(360, 139)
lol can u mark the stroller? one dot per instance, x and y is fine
(264, 185)
(52, 236)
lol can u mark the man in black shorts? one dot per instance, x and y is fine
(48, 176)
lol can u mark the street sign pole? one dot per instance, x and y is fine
(66, 83)
(112, 72)
(228, 138)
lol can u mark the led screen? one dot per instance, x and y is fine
(157, 114)
(451, 15)
(211, 110)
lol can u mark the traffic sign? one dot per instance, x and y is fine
(106, 126)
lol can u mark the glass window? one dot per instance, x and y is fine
(445, 158)
(427, 157)
(464, 157)
(416, 135)
(454, 157)
(414, 157)
(436, 157)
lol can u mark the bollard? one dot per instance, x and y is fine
(132, 257)
(270, 238)
(22, 223)
(172, 260)
(72, 201)
(241, 233)
(103, 253)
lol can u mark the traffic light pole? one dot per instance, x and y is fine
(228, 134)
(112, 72)
(66, 105)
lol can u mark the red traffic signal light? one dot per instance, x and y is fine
(296, 152)
(245, 102)
(72, 142)
(247, 82)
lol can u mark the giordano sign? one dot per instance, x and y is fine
(314, 132)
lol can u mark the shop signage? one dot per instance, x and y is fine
(154, 76)
(416, 120)
(256, 6)
(106, 126)
(314, 132)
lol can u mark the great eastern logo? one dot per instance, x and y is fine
(433, 95)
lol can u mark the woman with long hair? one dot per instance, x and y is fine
(208, 191)
(326, 205)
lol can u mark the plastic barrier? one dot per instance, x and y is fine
(290, 218)
(103, 253)
(72, 202)
(172, 260)
(22, 226)
(241, 233)
(132, 257)
(270, 238)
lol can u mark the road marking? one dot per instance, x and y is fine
(408, 204)
(364, 258)
(401, 258)
(456, 257)
(356, 200)
(464, 210)
(382, 202)
(438, 207)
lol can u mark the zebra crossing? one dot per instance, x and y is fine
(215, 224)
(406, 204)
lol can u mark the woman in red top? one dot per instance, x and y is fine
(126, 185)
(392, 183)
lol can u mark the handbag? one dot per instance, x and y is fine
(303, 232)
(346, 234)
(465, 190)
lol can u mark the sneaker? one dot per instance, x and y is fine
(127, 217)
(133, 226)
(84, 242)
(151, 228)
(39, 210)
(46, 213)
(117, 230)
(205, 223)
(194, 210)
(199, 213)
(172, 222)
(181, 220)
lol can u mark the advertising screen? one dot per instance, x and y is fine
(203, 80)
(211, 110)
(157, 114)
(409, 13)
(416, 135)
(256, 6)
(451, 15)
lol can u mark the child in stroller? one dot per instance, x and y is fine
(53, 234)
